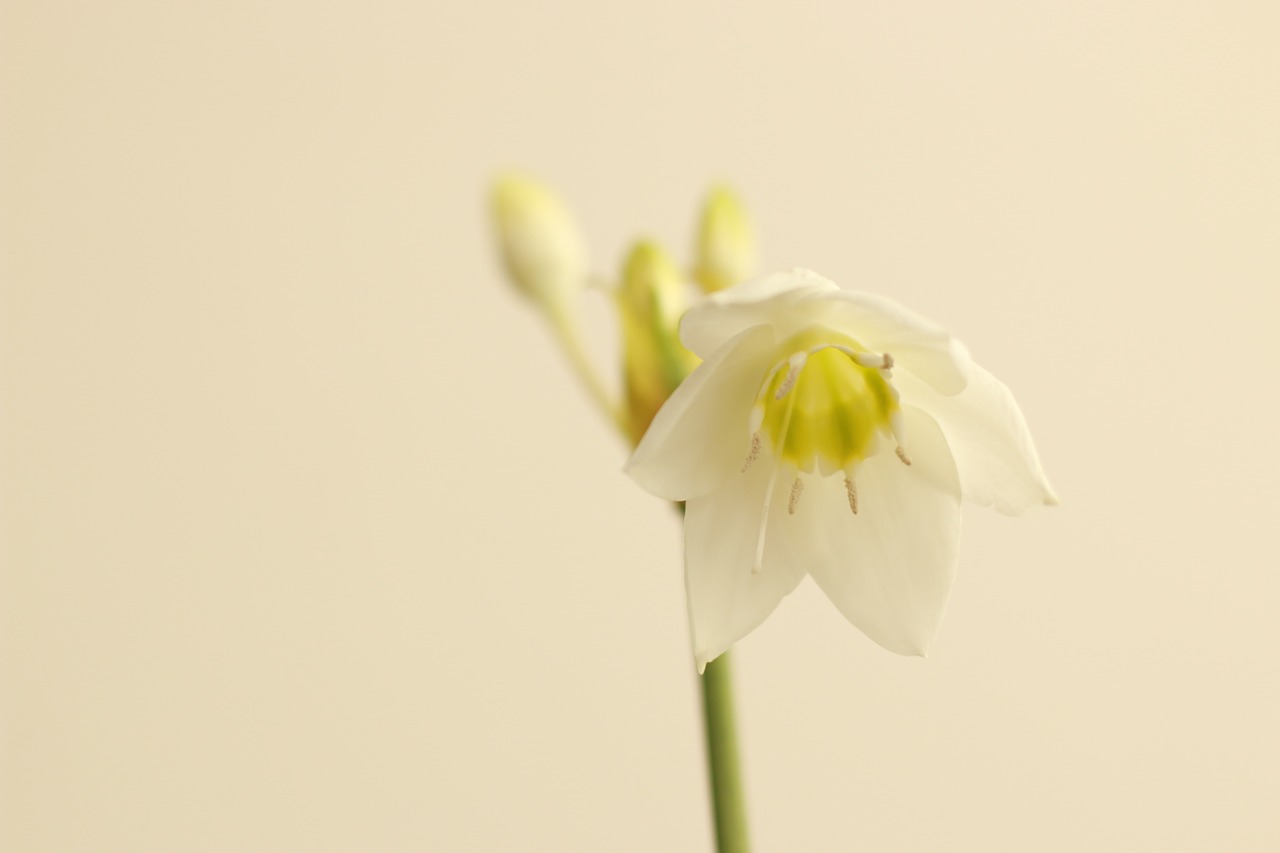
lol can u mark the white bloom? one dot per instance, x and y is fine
(832, 433)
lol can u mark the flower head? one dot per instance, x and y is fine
(831, 433)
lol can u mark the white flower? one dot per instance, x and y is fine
(832, 433)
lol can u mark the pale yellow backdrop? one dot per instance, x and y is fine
(309, 543)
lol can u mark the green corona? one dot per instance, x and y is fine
(822, 408)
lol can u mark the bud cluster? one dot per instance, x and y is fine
(545, 258)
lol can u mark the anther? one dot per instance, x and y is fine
(787, 384)
(851, 489)
(870, 359)
(796, 364)
(797, 489)
(902, 455)
(754, 453)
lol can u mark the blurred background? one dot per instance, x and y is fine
(309, 541)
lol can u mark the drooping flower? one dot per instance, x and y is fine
(831, 433)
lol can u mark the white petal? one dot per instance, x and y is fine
(889, 568)
(761, 301)
(916, 344)
(726, 599)
(702, 433)
(989, 439)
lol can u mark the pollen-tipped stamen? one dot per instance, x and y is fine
(797, 489)
(754, 453)
(851, 490)
(795, 364)
(758, 564)
(868, 359)
(902, 455)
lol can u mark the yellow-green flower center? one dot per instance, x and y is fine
(825, 402)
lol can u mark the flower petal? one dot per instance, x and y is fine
(702, 433)
(727, 600)
(761, 301)
(989, 440)
(889, 568)
(917, 344)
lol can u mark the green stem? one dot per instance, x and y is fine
(727, 800)
(568, 333)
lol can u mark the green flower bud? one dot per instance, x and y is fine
(725, 251)
(539, 242)
(650, 302)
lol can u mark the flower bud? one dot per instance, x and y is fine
(651, 301)
(725, 251)
(541, 248)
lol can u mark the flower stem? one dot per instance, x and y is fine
(567, 332)
(727, 800)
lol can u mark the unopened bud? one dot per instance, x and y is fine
(539, 242)
(651, 301)
(725, 252)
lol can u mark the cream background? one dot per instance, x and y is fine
(310, 543)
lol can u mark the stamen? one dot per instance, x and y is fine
(902, 455)
(869, 359)
(851, 489)
(758, 411)
(898, 426)
(754, 453)
(796, 363)
(773, 482)
(787, 384)
(797, 489)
